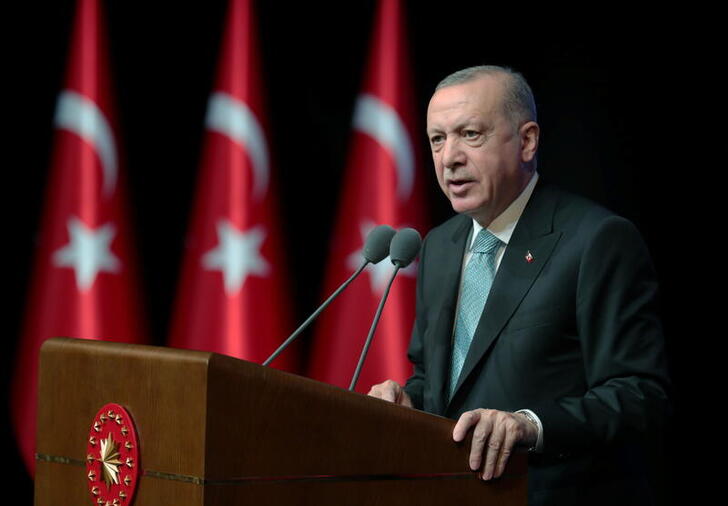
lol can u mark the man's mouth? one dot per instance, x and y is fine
(459, 184)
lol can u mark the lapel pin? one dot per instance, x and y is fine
(529, 257)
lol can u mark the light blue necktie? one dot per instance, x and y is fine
(477, 280)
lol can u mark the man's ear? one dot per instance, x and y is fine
(528, 133)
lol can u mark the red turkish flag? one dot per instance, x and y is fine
(232, 297)
(84, 280)
(382, 186)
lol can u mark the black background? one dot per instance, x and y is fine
(616, 95)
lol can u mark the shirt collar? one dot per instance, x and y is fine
(502, 227)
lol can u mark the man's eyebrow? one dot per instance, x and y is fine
(472, 121)
(467, 122)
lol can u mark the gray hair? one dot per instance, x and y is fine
(519, 106)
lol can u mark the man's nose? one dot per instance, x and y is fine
(452, 154)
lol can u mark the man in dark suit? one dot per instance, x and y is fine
(536, 321)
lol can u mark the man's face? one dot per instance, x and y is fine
(479, 154)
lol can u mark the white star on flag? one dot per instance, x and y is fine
(237, 255)
(88, 252)
(379, 273)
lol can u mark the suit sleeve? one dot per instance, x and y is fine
(621, 340)
(415, 384)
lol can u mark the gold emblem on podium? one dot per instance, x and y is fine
(112, 455)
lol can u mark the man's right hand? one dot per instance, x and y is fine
(391, 391)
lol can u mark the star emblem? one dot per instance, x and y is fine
(237, 255)
(88, 252)
(110, 462)
(379, 273)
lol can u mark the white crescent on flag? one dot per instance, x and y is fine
(380, 121)
(78, 114)
(234, 119)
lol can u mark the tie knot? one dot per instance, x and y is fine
(485, 242)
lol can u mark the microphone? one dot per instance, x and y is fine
(403, 249)
(376, 248)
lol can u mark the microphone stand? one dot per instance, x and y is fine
(311, 318)
(372, 329)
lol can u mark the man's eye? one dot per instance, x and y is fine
(436, 139)
(470, 134)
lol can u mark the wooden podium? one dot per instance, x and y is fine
(214, 430)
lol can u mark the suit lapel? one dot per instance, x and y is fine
(441, 336)
(533, 234)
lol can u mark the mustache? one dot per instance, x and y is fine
(458, 178)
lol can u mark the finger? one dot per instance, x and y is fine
(403, 399)
(506, 450)
(493, 448)
(407, 400)
(390, 391)
(466, 420)
(481, 434)
(384, 391)
(375, 391)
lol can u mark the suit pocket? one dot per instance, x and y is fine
(537, 317)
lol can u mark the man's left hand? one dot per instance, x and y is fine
(496, 433)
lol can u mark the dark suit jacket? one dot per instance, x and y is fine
(572, 335)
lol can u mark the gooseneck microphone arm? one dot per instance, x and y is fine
(376, 248)
(313, 316)
(402, 250)
(372, 329)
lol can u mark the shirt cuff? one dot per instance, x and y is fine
(538, 447)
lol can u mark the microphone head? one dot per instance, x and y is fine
(376, 247)
(404, 247)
